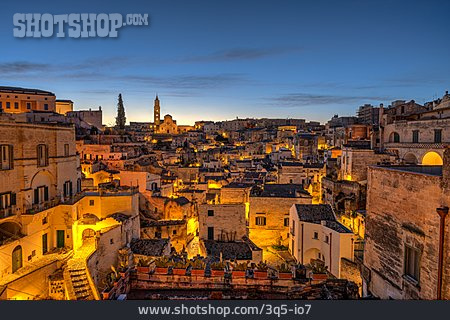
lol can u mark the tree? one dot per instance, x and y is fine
(120, 119)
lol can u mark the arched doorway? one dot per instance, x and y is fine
(16, 258)
(410, 159)
(432, 159)
(88, 235)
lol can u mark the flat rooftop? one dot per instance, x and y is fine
(25, 91)
(428, 170)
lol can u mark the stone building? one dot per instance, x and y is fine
(63, 106)
(268, 221)
(20, 100)
(315, 233)
(91, 117)
(354, 162)
(39, 165)
(417, 135)
(407, 244)
(222, 222)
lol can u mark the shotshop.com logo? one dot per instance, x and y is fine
(74, 25)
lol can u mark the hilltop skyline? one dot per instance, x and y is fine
(222, 61)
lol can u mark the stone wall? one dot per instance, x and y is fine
(401, 211)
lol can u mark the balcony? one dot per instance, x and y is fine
(7, 212)
(39, 207)
(413, 145)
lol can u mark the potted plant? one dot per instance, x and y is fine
(239, 270)
(109, 286)
(122, 265)
(143, 265)
(284, 272)
(261, 271)
(198, 267)
(319, 270)
(115, 276)
(179, 268)
(217, 269)
(162, 265)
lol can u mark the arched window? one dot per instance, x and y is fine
(394, 137)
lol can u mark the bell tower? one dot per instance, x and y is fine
(157, 113)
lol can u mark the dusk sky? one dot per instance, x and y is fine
(215, 60)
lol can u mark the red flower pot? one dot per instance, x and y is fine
(260, 274)
(238, 274)
(161, 270)
(319, 276)
(197, 272)
(285, 275)
(143, 269)
(179, 272)
(217, 273)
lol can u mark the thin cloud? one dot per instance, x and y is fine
(237, 54)
(23, 67)
(310, 99)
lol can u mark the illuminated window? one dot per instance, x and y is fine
(412, 260)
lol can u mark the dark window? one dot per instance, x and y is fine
(286, 222)
(8, 105)
(327, 239)
(316, 235)
(412, 259)
(46, 106)
(174, 232)
(42, 155)
(40, 194)
(44, 243)
(68, 189)
(396, 137)
(415, 136)
(66, 150)
(44, 220)
(6, 157)
(16, 105)
(158, 235)
(260, 221)
(28, 105)
(210, 233)
(437, 135)
(210, 213)
(91, 203)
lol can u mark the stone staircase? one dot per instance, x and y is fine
(76, 276)
(79, 281)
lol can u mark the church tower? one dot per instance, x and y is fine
(157, 113)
